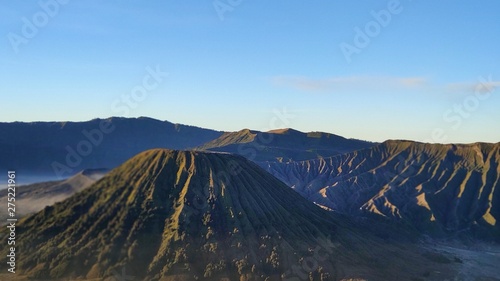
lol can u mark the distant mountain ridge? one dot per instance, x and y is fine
(61, 149)
(64, 148)
(283, 145)
(436, 188)
(34, 197)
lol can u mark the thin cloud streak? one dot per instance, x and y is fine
(350, 83)
(481, 87)
(347, 84)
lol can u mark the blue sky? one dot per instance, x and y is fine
(413, 74)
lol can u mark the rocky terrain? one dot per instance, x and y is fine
(439, 189)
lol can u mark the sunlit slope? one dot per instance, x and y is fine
(435, 187)
(170, 215)
(283, 145)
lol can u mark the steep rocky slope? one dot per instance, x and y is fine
(171, 215)
(437, 188)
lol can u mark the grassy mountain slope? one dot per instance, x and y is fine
(171, 215)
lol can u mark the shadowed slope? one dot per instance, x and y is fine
(34, 147)
(170, 215)
(434, 187)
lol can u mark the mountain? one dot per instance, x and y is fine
(34, 197)
(56, 150)
(62, 149)
(176, 215)
(283, 145)
(437, 188)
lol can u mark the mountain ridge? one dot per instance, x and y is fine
(283, 145)
(64, 148)
(432, 186)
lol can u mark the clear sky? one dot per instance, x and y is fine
(372, 70)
